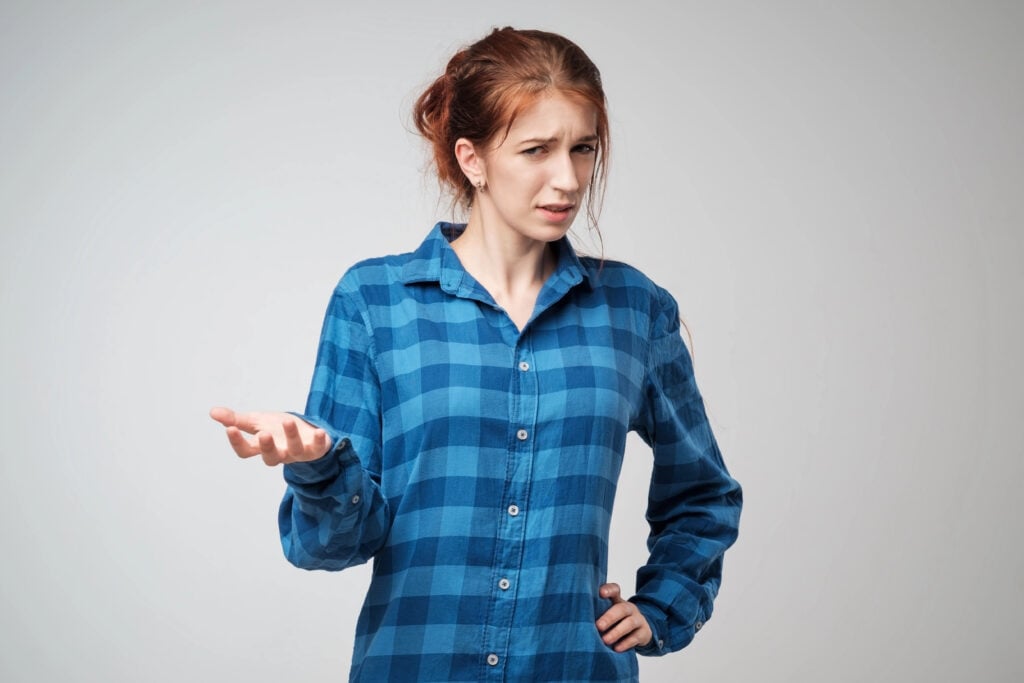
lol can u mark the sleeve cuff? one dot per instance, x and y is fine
(656, 620)
(662, 642)
(322, 469)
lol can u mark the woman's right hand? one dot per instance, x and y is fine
(280, 438)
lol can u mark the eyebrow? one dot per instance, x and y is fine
(545, 141)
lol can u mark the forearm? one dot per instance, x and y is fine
(333, 514)
(676, 589)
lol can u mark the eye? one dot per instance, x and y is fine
(584, 148)
(533, 151)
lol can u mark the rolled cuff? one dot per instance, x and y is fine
(663, 640)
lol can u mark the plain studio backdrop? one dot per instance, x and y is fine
(833, 192)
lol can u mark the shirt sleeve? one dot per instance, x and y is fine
(334, 514)
(693, 505)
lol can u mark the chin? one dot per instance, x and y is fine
(549, 235)
(548, 232)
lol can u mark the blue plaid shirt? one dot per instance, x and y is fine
(477, 465)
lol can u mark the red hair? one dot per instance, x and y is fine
(488, 84)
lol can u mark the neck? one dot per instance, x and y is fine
(506, 263)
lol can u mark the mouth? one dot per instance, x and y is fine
(557, 211)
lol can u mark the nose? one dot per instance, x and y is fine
(563, 174)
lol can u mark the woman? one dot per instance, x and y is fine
(471, 400)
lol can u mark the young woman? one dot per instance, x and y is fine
(471, 400)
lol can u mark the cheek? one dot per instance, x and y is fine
(518, 183)
(584, 170)
(583, 178)
(527, 186)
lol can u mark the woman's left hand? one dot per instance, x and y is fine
(622, 627)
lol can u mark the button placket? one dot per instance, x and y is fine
(511, 532)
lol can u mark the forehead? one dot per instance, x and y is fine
(554, 115)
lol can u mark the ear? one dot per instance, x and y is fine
(471, 161)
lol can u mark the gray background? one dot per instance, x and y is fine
(831, 190)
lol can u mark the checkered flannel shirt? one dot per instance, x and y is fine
(477, 463)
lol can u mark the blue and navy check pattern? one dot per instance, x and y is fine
(476, 464)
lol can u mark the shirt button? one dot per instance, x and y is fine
(355, 499)
(513, 509)
(661, 643)
(504, 584)
(698, 626)
(522, 434)
(492, 659)
(524, 366)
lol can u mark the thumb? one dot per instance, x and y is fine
(612, 592)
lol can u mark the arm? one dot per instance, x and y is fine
(694, 505)
(334, 514)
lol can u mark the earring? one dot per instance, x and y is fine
(480, 185)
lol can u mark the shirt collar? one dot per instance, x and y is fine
(436, 261)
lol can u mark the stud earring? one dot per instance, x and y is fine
(480, 185)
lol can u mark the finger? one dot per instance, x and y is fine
(612, 592)
(225, 416)
(241, 445)
(612, 616)
(248, 422)
(268, 449)
(638, 637)
(295, 447)
(320, 442)
(629, 642)
(623, 626)
(626, 634)
(625, 630)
